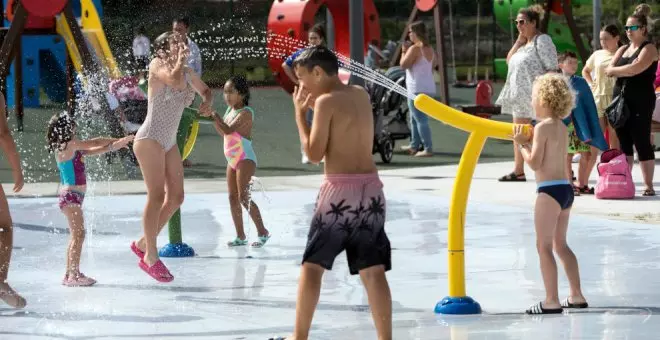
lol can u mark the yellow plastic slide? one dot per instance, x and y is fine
(95, 36)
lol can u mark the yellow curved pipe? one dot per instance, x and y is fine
(464, 121)
(480, 129)
(192, 138)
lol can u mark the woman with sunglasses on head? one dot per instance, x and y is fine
(532, 55)
(634, 66)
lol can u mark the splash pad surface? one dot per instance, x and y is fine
(250, 293)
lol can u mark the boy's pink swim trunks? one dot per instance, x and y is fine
(349, 215)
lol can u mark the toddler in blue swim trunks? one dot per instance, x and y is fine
(552, 99)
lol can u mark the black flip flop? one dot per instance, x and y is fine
(568, 304)
(538, 309)
(586, 190)
(513, 177)
(648, 192)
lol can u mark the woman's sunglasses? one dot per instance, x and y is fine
(520, 22)
(632, 28)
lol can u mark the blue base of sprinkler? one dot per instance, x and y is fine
(458, 305)
(176, 250)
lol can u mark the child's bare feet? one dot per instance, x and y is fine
(10, 297)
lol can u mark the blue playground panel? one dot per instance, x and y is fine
(44, 65)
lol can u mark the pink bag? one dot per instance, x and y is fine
(656, 111)
(614, 177)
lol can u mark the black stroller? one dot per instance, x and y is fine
(390, 111)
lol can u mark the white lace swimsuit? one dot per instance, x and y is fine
(164, 112)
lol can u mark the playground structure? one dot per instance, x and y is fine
(47, 43)
(294, 18)
(565, 37)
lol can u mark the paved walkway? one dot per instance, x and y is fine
(436, 180)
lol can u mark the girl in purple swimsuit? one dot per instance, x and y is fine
(69, 152)
(171, 86)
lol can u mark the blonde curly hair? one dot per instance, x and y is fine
(553, 92)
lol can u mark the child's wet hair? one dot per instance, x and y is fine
(242, 87)
(318, 56)
(60, 131)
(555, 93)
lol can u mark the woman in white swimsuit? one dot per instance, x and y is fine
(171, 86)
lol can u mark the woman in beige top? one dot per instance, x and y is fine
(601, 84)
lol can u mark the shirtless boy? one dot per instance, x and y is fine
(350, 210)
(552, 100)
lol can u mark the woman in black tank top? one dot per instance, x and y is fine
(634, 65)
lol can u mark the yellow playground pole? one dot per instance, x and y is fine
(480, 129)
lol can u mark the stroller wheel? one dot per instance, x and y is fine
(386, 149)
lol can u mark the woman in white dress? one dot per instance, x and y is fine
(532, 55)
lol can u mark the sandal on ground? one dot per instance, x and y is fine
(237, 242)
(648, 192)
(137, 250)
(538, 309)
(513, 177)
(568, 304)
(262, 241)
(158, 271)
(576, 191)
(10, 297)
(586, 190)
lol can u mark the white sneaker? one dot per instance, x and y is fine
(305, 160)
(424, 153)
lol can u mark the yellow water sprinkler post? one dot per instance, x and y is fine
(480, 129)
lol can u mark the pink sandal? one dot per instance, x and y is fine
(77, 280)
(11, 298)
(137, 250)
(158, 271)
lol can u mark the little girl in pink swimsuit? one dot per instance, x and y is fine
(236, 127)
